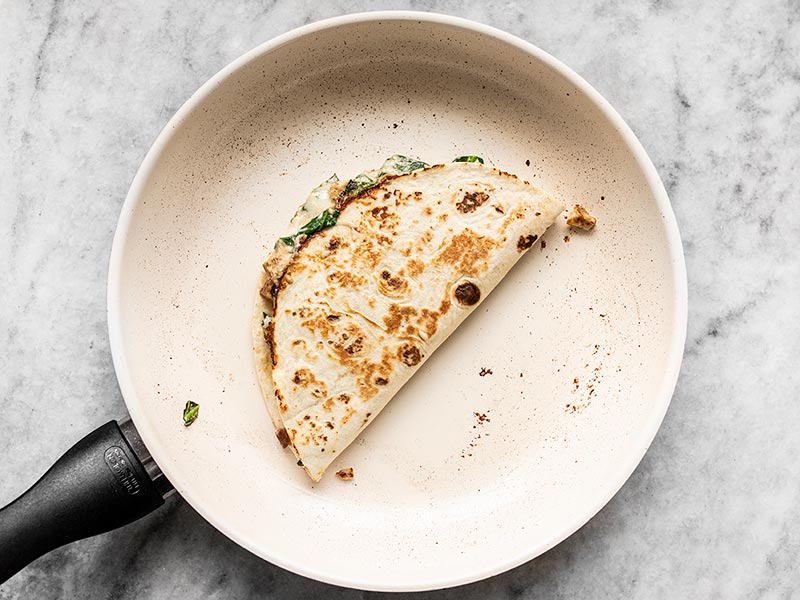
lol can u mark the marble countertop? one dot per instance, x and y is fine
(713, 93)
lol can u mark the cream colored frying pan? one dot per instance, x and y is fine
(573, 358)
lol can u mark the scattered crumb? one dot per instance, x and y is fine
(566, 238)
(527, 163)
(520, 374)
(544, 244)
(485, 371)
(480, 420)
(345, 474)
(580, 218)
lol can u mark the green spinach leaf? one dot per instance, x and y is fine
(470, 158)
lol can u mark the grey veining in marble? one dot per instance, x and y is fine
(713, 92)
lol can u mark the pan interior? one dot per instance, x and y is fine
(581, 338)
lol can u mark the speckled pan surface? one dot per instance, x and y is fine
(572, 359)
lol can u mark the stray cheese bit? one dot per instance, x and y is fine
(580, 218)
(345, 474)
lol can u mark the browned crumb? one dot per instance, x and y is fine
(580, 218)
(544, 244)
(485, 371)
(345, 474)
(481, 417)
(566, 238)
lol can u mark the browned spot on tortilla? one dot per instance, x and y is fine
(380, 212)
(320, 326)
(346, 279)
(429, 321)
(526, 241)
(350, 346)
(282, 406)
(303, 377)
(283, 437)
(471, 202)
(415, 267)
(467, 252)
(409, 354)
(424, 240)
(392, 286)
(334, 243)
(499, 209)
(443, 217)
(381, 381)
(467, 293)
(402, 199)
(397, 315)
(365, 255)
(427, 211)
(328, 405)
(368, 373)
(349, 413)
(329, 425)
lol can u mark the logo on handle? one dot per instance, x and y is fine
(118, 462)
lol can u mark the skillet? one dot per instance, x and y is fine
(432, 504)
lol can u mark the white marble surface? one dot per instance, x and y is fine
(713, 93)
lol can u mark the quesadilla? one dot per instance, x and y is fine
(374, 274)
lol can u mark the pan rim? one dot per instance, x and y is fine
(677, 263)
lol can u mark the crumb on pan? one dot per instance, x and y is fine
(579, 217)
(345, 474)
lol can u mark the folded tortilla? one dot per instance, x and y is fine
(353, 309)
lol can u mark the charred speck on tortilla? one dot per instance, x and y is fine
(373, 274)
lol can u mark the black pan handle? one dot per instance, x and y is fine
(106, 480)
